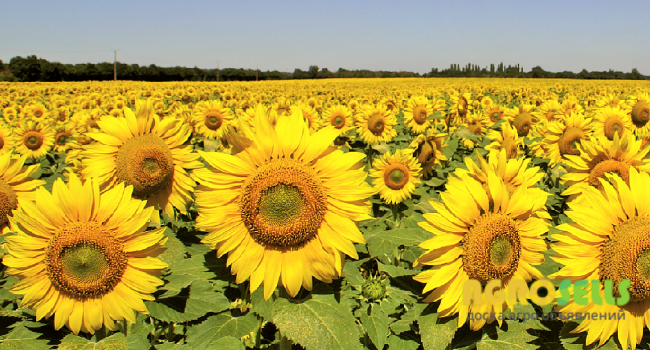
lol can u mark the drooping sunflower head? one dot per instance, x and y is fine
(33, 139)
(564, 136)
(506, 139)
(427, 149)
(640, 113)
(522, 118)
(395, 176)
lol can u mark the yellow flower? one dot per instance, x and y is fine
(16, 184)
(416, 112)
(427, 149)
(481, 239)
(563, 136)
(376, 124)
(608, 121)
(147, 153)
(285, 208)
(609, 239)
(395, 176)
(33, 139)
(506, 139)
(211, 119)
(83, 256)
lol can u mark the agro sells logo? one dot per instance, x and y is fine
(518, 291)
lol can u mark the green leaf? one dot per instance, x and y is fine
(317, 323)
(206, 297)
(382, 244)
(511, 335)
(436, 333)
(22, 338)
(375, 322)
(210, 333)
(137, 342)
(183, 273)
(175, 249)
(397, 343)
(173, 346)
(395, 271)
(116, 341)
(465, 133)
(261, 307)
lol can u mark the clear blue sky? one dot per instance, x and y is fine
(376, 35)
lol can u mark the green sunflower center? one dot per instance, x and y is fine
(283, 204)
(612, 126)
(85, 260)
(495, 116)
(146, 163)
(396, 176)
(492, 248)
(627, 256)
(338, 121)
(33, 140)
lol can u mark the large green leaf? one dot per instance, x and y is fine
(375, 322)
(116, 341)
(317, 323)
(382, 244)
(183, 273)
(21, 338)
(210, 333)
(397, 343)
(436, 333)
(511, 335)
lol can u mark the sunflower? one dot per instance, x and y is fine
(416, 112)
(609, 239)
(495, 113)
(481, 239)
(36, 112)
(284, 209)
(522, 118)
(376, 124)
(476, 124)
(144, 152)
(7, 142)
(609, 121)
(211, 119)
(507, 139)
(64, 136)
(600, 156)
(340, 117)
(427, 149)
(33, 139)
(309, 113)
(513, 172)
(16, 185)
(395, 176)
(84, 257)
(564, 135)
(549, 110)
(640, 113)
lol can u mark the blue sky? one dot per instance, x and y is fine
(376, 35)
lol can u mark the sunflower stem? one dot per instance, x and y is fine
(285, 343)
(395, 207)
(100, 334)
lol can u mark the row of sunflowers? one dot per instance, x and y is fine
(343, 214)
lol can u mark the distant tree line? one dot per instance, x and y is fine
(32, 68)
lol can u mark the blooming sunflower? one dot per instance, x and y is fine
(609, 121)
(416, 112)
(33, 139)
(395, 176)
(340, 117)
(284, 209)
(481, 239)
(309, 113)
(427, 149)
(507, 139)
(522, 118)
(84, 257)
(211, 119)
(495, 113)
(609, 239)
(563, 136)
(640, 113)
(376, 124)
(147, 153)
(600, 156)
(16, 185)
(7, 142)
(549, 110)
(64, 137)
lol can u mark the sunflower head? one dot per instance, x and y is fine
(640, 113)
(523, 122)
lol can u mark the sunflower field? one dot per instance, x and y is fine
(329, 214)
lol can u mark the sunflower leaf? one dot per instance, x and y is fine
(318, 323)
(382, 244)
(375, 323)
(23, 338)
(436, 333)
(511, 335)
(211, 333)
(397, 343)
(116, 341)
